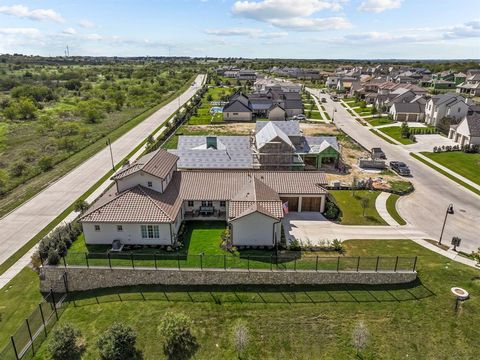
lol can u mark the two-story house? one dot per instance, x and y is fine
(446, 105)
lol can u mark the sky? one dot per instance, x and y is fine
(306, 29)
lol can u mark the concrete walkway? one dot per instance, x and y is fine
(11, 239)
(381, 206)
(449, 171)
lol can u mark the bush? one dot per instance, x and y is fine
(52, 257)
(45, 163)
(332, 212)
(65, 343)
(80, 206)
(118, 343)
(179, 341)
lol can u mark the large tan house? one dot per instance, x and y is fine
(152, 198)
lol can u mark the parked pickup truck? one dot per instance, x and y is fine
(377, 153)
(400, 168)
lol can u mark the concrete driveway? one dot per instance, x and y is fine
(425, 208)
(428, 142)
(314, 227)
(19, 226)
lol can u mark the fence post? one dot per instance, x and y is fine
(224, 262)
(30, 334)
(109, 261)
(358, 263)
(396, 263)
(54, 303)
(338, 263)
(376, 265)
(65, 282)
(295, 264)
(271, 261)
(43, 319)
(155, 259)
(14, 348)
(201, 261)
(64, 262)
(248, 262)
(86, 259)
(415, 264)
(316, 264)
(131, 259)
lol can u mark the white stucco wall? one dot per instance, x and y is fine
(276, 114)
(254, 229)
(139, 178)
(131, 234)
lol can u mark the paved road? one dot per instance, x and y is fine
(19, 226)
(425, 208)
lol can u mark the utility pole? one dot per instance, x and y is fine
(109, 144)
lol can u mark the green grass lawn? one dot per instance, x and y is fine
(352, 210)
(392, 210)
(467, 165)
(395, 132)
(377, 121)
(414, 321)
(314, 115)
(17, 300)
(203, 116)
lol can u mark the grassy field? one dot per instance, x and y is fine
(350, 203)
(377, 121)
(314, 115)
(436, 168)
(395, 133)
(467, 165)
(17, 300)
(415, 321)
(392, 210)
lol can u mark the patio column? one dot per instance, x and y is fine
(299, 204)
(322, 204)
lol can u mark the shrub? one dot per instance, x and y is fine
(240, 337)
(332, 212)
(294, 245)
(65, 343)
(45, 163)
(338, 246)
(179, 341)
(18, 168)
(80, 206)
(52, 257)
(118, 343)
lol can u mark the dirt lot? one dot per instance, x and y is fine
(223, 129)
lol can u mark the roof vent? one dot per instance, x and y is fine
(211, 142)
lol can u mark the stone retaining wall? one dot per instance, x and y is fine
(81, 278)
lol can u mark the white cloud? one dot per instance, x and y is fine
(253, 33)
(295, 15)
(32, 14)
(378, 6)
(69, 31)
(29, 32)
(87, 24)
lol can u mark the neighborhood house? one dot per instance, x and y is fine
(151, 200)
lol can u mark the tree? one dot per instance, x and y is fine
(46, 163)
(65, 343)
(360, 337)
(240, 337)
(118, 343)
(179, 341)
(405, 130)
(80, 206)
(365, 202)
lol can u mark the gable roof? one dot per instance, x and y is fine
(270, 132)
(290, 127)
(473, 124)
(237, 106)
(410, 108)
(158, 163)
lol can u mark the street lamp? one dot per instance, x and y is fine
(451, 212)
(109, 144)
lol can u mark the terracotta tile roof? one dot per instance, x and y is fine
(238, 209)
(158, 163)
(140, 204)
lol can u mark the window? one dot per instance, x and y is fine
(149, 184)
(209, 203)
(204, 203)
(235, 113)
(190, 203)
(119, 227)
(222, 203)
(97, 227)
(150, 232)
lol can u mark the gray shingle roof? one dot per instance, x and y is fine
(290, 127)
(410, 108)
(270, 132)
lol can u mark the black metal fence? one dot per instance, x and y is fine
(26, 341)
(288, 261)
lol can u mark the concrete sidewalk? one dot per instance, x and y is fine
(381, 206)
(449, 171)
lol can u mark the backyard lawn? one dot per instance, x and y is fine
(467, 165)
(314, 115)
(203, 116)
(395, 132)
(413, 321)
(350, 203)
